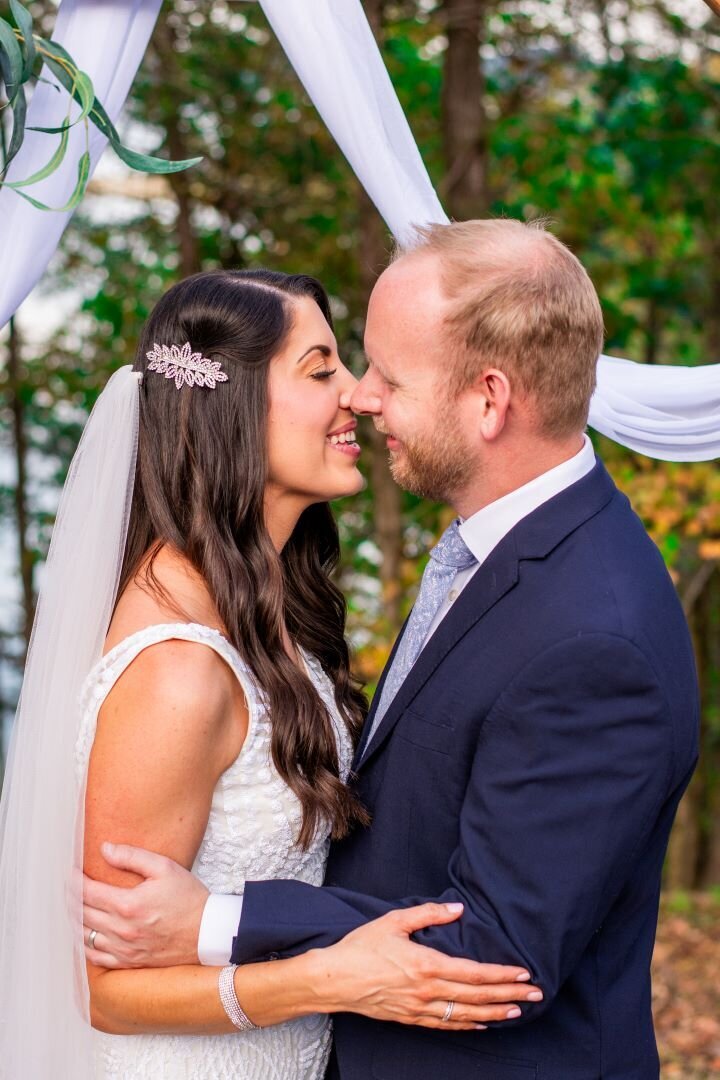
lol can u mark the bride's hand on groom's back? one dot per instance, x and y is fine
(379, 971)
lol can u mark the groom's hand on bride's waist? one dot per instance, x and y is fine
(153, 924)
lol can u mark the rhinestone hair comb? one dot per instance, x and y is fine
(185, 366)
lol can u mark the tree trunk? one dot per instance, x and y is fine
(712, 313)
(165, 45)
(694, 854)
(7, 707)
(652, 332)
(26, 558)
(681, 865)
(187, 240)
(709, 768)
(387, 497)
(465, 187)
(604, 22)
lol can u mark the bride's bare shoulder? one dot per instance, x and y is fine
(165, 589)
(184, 686)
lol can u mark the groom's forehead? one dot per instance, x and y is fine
(407, 299)
(417, 270)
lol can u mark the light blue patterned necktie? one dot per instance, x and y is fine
(449, 555)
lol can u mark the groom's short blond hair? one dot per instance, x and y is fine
(520, 301)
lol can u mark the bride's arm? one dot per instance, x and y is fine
(169, 728)
(186, 1000)
(172, 724)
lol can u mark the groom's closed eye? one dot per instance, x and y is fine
(384, 375)
(390, 383)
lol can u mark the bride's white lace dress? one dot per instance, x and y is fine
(251, 831)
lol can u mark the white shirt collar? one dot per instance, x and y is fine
(484, 530)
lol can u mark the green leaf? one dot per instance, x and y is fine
(76, 82)
(84, 86)
(155, 165)
(23, 19)
(11, 59)
(48, 82)
(79, 191)
(58, 61)
(19, 110)
(85, 94)
(102, 121)
(56, 52)
(53, 131)
(51, 166)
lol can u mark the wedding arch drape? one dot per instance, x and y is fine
(667, 412)
(107, 39)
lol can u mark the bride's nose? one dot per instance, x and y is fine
(349, 382)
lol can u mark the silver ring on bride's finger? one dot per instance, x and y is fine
(91, 939)
(449, 1011)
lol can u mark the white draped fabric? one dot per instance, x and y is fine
(107, 39)
(671, 413)
(332, 48)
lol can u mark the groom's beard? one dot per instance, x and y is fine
(439, 464)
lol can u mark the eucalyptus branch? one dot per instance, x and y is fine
(23, 54)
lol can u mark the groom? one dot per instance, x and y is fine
(537, 722)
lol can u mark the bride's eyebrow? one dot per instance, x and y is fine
(324, 349)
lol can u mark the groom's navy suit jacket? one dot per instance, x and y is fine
(530, 767)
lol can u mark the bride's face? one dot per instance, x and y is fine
(312, 453)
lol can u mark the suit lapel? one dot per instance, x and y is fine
(490, 583)
(367, 726)
(532, 538)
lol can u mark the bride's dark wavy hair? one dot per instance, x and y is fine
(199, 488)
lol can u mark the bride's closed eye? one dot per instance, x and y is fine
(325, 374)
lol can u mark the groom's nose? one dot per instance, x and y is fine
(364, 399)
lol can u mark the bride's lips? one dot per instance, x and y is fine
(342, 439)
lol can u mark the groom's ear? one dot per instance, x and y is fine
(492, 392)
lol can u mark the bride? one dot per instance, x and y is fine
(189, 607)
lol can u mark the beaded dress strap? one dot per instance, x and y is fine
(114, 663)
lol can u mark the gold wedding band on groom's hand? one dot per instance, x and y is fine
(91, 939)
(449, 1011)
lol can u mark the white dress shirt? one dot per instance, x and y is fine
(482, 532)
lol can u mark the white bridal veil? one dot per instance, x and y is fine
(43, 987)
(665, 412)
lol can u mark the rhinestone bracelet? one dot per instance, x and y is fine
(230, 1003)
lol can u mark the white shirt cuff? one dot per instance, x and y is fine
(218, 927)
